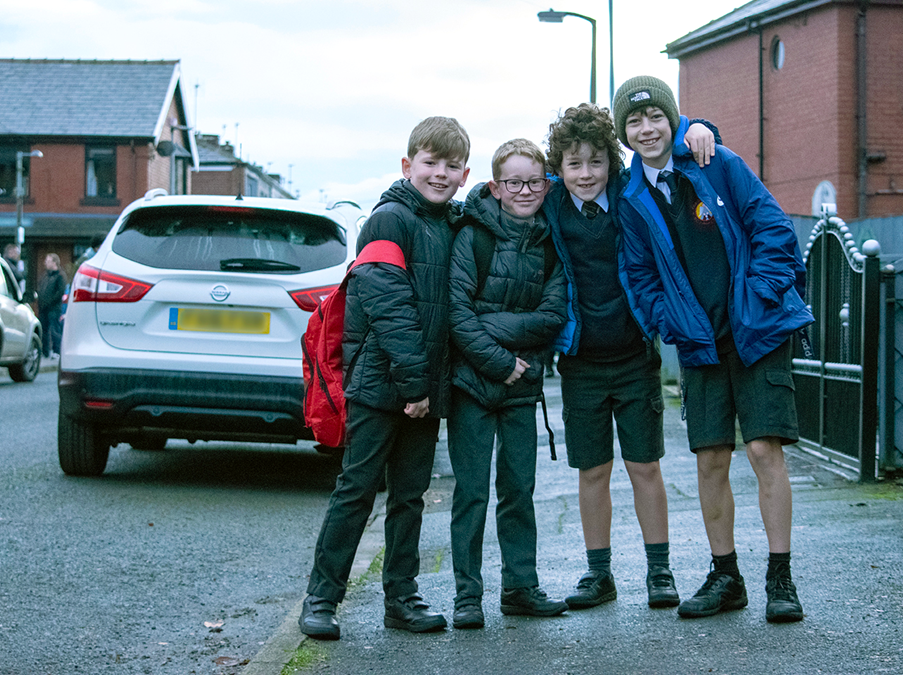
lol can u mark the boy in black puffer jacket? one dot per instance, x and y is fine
(507, 302)
(395, 351)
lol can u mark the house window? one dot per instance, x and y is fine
(100, 172)
(252, 187)
(8, 171)
(777, 53)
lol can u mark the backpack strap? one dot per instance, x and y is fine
(549, 258)
(380, 250)
(483, 248)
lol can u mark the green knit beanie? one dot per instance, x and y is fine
(640, 93)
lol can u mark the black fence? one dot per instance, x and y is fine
(840, 368)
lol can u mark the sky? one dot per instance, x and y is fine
(326, 93)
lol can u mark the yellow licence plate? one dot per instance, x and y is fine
(219, 321)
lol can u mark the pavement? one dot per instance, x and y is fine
(847, 565)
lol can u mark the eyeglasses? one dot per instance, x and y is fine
(515, 185)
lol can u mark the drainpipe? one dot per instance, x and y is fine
(861, 107)
(761, 107)
(755, 27)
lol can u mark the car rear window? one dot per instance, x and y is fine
(215, 237)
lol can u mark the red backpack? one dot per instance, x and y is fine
(324, 398)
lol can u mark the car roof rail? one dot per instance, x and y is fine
(154, 193)
(332, 205)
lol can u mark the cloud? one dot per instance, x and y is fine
(333, 89)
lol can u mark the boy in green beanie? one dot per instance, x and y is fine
(715, 264)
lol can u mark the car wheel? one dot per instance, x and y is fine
(28, 370)
(81, 448)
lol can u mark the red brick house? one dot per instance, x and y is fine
(810, 94)
(220, 172)
(109, 131)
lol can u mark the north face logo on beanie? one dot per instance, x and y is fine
(638, 96)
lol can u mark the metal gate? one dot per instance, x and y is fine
(836, 371)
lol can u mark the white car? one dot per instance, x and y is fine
(20, 330)
(187, 323)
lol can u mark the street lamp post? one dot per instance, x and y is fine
(558, 17)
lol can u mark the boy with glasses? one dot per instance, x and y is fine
(506, 304)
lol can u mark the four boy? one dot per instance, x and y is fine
(507, 302)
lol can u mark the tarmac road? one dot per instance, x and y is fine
(847, 563)
(174, 562)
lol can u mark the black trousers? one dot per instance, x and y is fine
(377, 442)
(472, 432)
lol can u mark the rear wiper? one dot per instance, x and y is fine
(256, 265)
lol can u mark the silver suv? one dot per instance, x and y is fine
(187, 323)
(20, 330)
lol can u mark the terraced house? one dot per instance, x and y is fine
(107, 132)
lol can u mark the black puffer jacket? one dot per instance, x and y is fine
(395, 345)
(51, 289)
(515, 311)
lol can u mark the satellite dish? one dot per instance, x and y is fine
(825, 193)
(165, 148)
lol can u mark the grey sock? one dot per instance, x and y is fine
(658, 555)
(599, 559)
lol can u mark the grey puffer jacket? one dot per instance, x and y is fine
(514, 312)
(395, 345)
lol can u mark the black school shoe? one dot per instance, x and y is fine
(318, 620)
(719, 593)
(412, 614)
(531, 601)
(469, 615)
(661, 588)
(783, 604)
(593, 589)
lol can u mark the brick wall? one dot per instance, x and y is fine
(810, 123)
(206, 182)
(885, 109)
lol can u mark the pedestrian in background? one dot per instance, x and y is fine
(11, 254)
(51, 289)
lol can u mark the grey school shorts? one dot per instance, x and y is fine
(759, 396)
(593, 392)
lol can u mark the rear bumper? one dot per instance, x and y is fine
(195, 406)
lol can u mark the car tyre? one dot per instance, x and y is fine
(28, 370)
(81, 448)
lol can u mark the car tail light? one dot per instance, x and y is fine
(309, 298)
(93, 285)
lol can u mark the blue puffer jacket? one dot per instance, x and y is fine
(767, 272)
(568, 340)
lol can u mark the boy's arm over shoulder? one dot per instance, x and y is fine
(467, 329)
(775, 255)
